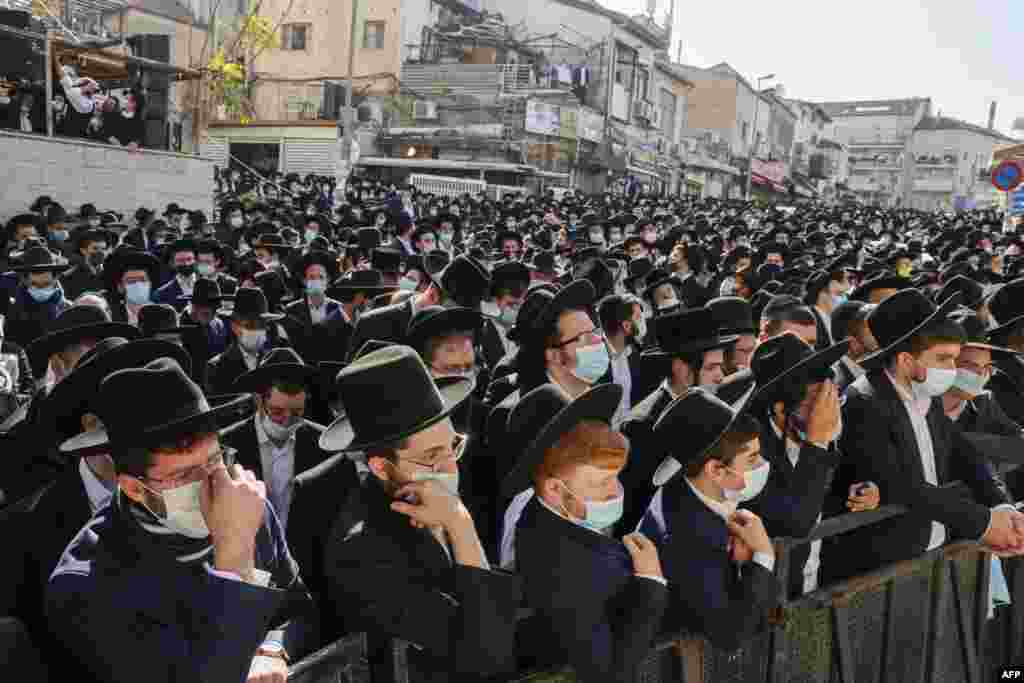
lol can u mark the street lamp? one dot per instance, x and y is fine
(753, 133)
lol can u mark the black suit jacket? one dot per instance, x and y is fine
(38, 529)
(337, 337)
(222, 371)
(80, 279)
(310, 340)
(388, 324)
(735, 386)
(694, 295)
(1007, 385)
(880, 446)
(393, 580)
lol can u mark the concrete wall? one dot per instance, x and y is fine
(711, 106)
(75, 172)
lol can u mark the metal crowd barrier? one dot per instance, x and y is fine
(445, 186)
(343, 661)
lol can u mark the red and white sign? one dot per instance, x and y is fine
(774, 171)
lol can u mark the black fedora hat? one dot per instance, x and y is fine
(694, 423)
(977, 334)
(1007, 306)
(465, 280)
(175, 407)
(123, 260)
(509, 273)
(157, 319)
(368, 238)
(386, 260)
(272, 241)
(547, 412)
(578, 294)
(434, 321)
(72, 325)
(787, 357)
(882, 281)
(315, 257)
(251, 304)
(388, 395)
(733, 314)
(544, 263)
(278, 364)
(41, 260)
(537, 299)
(972, 292)
(206, 292)
(71, 398)
(369, 282)
(694, 330)
(899, 317)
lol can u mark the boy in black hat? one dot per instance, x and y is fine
(39, 298)
(90, 246)
(211, 263)
(130, 277)
(182, 258)
(184, 543)
(897, 435)
(250, 318)
(694, 522)
(405, 560)
(305, 319)
(602, 607)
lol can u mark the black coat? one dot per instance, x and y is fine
(81, 279)
(984, 415)
(591, 609)
(1007, 385)
(393, 580)
(26, 378)
(693, 294)
(645, 454)
(38, 529)
(310, 340)
(880, 446)
(337, 337)
(711, 595)
(222, 370)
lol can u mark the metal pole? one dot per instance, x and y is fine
(349, 118)
(48, 103)
(753, 138)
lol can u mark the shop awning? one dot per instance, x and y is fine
(767, 184)
(395, 162)
(639, 170)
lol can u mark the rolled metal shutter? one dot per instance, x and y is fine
(216, 149)
(310, 156)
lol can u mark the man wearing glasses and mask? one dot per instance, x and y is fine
(405, 560)
(186, 571)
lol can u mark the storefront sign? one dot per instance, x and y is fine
(773, 171)
(543, 118)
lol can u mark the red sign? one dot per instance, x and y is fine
(1007, 176)
(773, 171)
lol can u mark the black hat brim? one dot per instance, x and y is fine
(448, 320)
(874, 360)
(258, 379)
(699, 346)
(40, 350)
(48, 268)
(578, 294)
(224, 412)
(1006, 328)
(671, 466)
(815, 365)
(341, 437)
(599, 403)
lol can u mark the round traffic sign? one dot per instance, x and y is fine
(1007, 176)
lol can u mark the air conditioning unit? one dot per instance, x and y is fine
(661, 145)
(421, 109)
(675, 150)
(370, 112)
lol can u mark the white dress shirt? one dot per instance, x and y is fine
(251, 359)
(317, 313)
(814, 555)
(278, 470)
(622, 376)
(97, 491)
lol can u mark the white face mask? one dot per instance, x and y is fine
(184, 512)
(970, 383)
(280, 433)
(449, 481)
(937, 382)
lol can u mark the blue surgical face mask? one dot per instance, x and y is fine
(509, 315)
(970, 383)
(316, 286)
(137, 293)
(408, 284)
(600, 514)
(838, 300)
(41, 294)
(59, 235)
(591, 362)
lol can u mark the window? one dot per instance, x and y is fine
(668, 114)
(294, 36)
(373, 36)
(745, 129)
(642, 79)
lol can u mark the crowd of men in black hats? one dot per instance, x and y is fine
(229, 442)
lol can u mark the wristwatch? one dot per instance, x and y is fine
(273, 650)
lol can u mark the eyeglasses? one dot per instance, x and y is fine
(458, 450)
(222, 457)
(596, 333)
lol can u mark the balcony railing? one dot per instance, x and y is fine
(475, 80)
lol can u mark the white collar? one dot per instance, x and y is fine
(724, 509)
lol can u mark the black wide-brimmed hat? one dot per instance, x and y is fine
(369, 282)
(693, 424)
(123, 260)
(71, 398)
(578, 294)
(434, 321)
(901, 316)
(388, 395)
(174, 407)
(977, 333)
(206, 292)
(386, 260)
(1007, 306)
(547, 412)
(883, 281)
(322, 258)
(465, 280)
(251, 304)
(278, 364)
(272, 241)
(157, 319)
(41, 260)
(509, 273)
(786, 357)
(694, 330)
(972, 292)
(733, 314)
(72, 325)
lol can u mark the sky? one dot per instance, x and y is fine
(957, 53)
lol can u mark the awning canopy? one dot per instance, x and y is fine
(396, 162)
(767, 184)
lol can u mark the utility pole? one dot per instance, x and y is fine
(753, 134)
(347, 116)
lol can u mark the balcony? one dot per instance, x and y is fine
(934, 184)
(475, 80)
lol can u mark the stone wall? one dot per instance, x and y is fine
(74, 172)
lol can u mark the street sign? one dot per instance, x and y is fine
(1015, 203)
(1007, 176)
